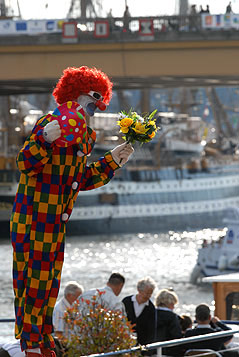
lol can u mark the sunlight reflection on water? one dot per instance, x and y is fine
(167, 258)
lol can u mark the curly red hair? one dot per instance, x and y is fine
(79, 80)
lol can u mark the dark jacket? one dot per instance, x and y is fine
(168, 328)
(216, 344)
(144, 323)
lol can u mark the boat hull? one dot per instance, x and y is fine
(155, 224)
(165, 203)
(152, 224)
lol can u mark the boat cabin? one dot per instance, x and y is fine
(226, 295)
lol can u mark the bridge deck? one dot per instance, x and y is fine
(32, 64)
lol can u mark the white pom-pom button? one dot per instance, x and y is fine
(80, 153)
(65, 216)
(74, 185)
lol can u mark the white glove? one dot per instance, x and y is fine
(52, 131)
(122, 153)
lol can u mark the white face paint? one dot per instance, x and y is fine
(88, 104)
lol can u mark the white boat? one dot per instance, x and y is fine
(161, 188)
(220, 256)
(183, 133)
(158, 190)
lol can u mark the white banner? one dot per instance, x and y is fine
(222, 21)
(7, 27)
(235, 21)
(29, 27)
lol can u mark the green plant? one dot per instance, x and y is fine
(95, 329)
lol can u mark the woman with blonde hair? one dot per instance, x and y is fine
(166, 321)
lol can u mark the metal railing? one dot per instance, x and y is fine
(7, 320)
(159, 345)
(171, 343)
(163, 28)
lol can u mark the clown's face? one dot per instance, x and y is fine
(90, 102)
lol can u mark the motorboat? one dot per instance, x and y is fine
(221, 256)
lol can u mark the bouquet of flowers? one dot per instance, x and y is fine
(136, 127)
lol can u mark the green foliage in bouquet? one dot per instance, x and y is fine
(96, 329)
(136, 127)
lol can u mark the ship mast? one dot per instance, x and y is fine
(220, 115)
(7, 11)
(183, 7)
(81, 8)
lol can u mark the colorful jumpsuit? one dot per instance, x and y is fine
(51, 178)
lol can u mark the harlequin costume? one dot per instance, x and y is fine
(51, 178)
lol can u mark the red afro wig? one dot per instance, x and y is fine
(76, 81)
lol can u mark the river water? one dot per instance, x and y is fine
(167, 258)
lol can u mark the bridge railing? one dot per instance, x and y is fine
(135, 24)
(151, 28)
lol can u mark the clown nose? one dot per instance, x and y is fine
(101, 105)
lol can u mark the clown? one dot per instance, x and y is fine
(53, 171)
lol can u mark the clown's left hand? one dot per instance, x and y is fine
(122, 153)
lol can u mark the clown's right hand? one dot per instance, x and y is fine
(121, 153)
(52, 131)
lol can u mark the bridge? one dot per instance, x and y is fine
(167, 58)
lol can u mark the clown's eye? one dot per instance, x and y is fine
(95, 95)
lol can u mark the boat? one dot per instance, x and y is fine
(219, 256)
(225, 291)
(157, 201)
(163, 187)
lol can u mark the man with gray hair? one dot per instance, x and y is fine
(141, 312)
(71, 293)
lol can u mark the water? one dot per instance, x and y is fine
(167, 258)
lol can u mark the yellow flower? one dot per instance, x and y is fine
(126, 122)
(152, 135)
(152, 122)
(139, 128)
(124, 130)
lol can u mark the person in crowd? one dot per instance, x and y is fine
(208, 324)
(13, 349)
(109, 15)
(202, 11)
(229, 8)
(109, 294)
(185, 323)
(53, 172)
(126, 18)
(207, 9)
(193, 19)
(110, 20)
(167, 323)
(140, 311)
(71, 293)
